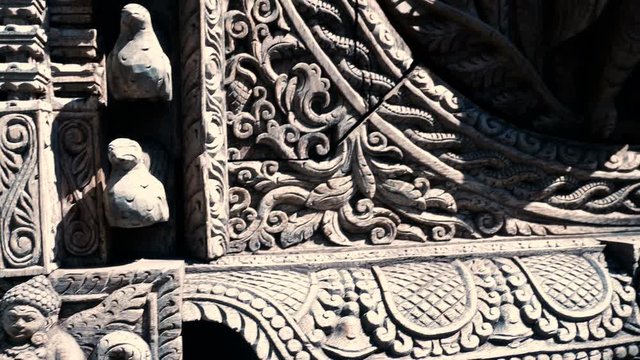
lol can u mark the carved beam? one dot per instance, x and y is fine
(513, 307)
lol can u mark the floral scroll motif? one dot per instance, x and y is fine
(20, 239)
(82, 221)
(280, 94)
(424, 164)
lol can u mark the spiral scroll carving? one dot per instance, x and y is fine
(18, 192)
(81, 221)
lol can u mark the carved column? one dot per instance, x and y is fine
(204, 124)
(79, 92)
(27, 189)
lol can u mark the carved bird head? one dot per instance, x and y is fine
(125, 153)
(135, 17)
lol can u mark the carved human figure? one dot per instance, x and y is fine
(137, 67)
(134, 197)
(29, 323)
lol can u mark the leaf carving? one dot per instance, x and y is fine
(401, 193)
(414, 195)
(412, 233)
(479, 58)
(121, 310)
(300, 228)
(331, 229)
(363, 177)
(440, 199)
(332, 194)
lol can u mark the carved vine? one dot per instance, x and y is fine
(427, 165)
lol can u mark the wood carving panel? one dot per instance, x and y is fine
(369, 179)
(82, 232)
(426, 164)
(19, 213)
(474, 308)
(143, 298)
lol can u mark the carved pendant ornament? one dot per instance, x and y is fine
(134, 197)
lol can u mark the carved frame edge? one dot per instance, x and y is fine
(164, 301)
(205, 133)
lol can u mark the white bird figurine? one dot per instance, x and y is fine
(134, 197)
(137, 68)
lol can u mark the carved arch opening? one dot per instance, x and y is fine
(229, 317)
(198, 337)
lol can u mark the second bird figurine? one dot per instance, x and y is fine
(134, 197)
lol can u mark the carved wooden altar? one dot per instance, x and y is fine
(329, 194)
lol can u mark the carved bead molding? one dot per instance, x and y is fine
(143, 298)
(537, 307)
(418, 162)
(204, 125)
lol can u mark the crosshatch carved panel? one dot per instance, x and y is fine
(423, 309)
(319, 179)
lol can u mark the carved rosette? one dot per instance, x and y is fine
(422, 309)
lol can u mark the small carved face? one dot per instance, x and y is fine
(20, 322)
(135, 17)
(124, 153)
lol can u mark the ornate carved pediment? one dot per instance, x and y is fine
(335, 179)
(419, 162)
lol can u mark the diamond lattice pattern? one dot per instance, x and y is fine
(431, 295)
(569, 279)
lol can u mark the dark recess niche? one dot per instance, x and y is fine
(207, 340)
(155, 125)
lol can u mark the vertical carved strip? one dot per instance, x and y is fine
(82, 228)
(205, 128)
(20, 238)
(25, 227)
(215, 124)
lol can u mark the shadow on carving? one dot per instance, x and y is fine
(200, 337)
